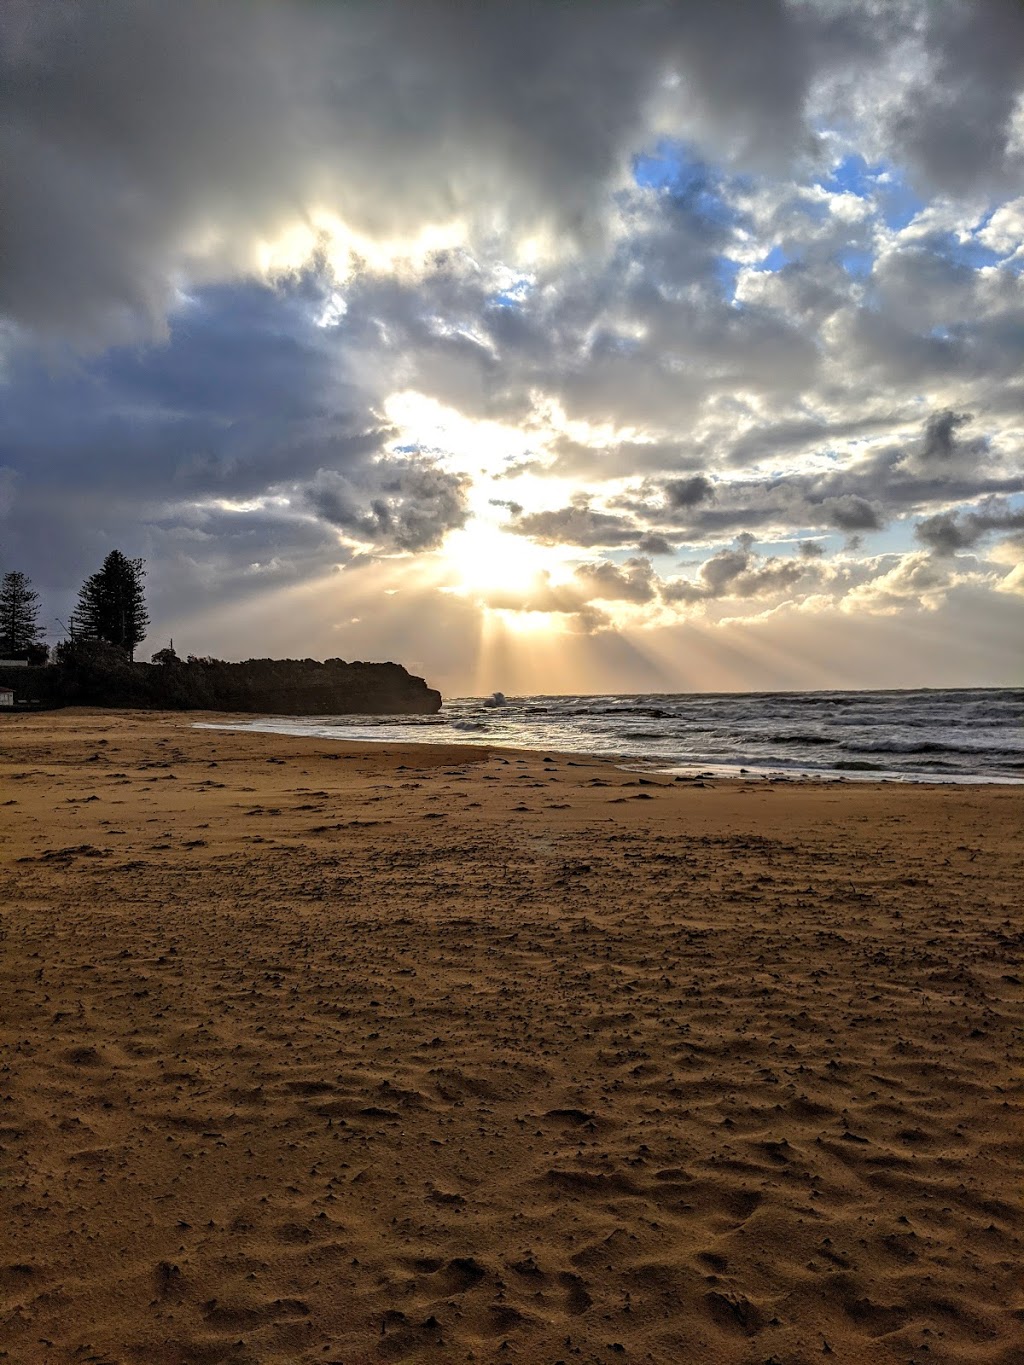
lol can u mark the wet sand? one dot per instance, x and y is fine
(353, 1053)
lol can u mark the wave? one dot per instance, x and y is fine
(799, 739)
(928, 746)
(931, 735)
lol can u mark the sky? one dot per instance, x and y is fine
(542, 347)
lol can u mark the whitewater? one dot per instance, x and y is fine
(933, 735)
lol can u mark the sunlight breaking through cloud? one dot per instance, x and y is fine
(336, 303)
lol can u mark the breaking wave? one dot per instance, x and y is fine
(970, 735)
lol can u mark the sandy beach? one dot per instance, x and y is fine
(332, 1053)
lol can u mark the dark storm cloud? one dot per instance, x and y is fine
(851, 513)
(948, 532)
(719, 571)
(246, 393)
(229, 455)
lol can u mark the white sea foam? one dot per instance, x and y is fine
(936, 736)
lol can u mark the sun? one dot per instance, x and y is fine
(486, 560)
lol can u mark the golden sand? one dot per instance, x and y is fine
(320, 1052)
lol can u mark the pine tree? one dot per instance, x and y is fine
(112, 605)
(19, 611)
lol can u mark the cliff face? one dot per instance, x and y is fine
(91, 677)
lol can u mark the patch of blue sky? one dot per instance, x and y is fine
(829, 541)
(856, 261)
(726, 273)
(514, 295)
(897, 202)
(883, 182)
(967, 251)
(852, 175)
(674, 168)
(775, 260)
(617, 557)
(671, 165)
(896, 538)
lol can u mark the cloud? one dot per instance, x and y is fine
(653, 544)
(142, 140)
(948, 532)
(852, 513)
(739, 573)
(956, 120)
(688, 492)
(147, 138)
(914, 579)
(862, 494)
(578, 524)
(396, 505)
(940, 434)
(722, 569)
(632, 581)
(288, 287)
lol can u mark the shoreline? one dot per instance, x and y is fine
(396, 1052)
(854, 772)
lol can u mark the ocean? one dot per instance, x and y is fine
(961, 735)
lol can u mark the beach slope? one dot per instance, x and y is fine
(314, 1052)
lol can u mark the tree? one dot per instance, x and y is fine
(19, 610)
(112, 605)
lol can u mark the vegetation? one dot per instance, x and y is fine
(112, 605)
(98, 673)
(96, 666)
(19, 617)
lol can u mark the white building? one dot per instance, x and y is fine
(6, 696)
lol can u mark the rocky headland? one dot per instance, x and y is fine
(104, 677)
